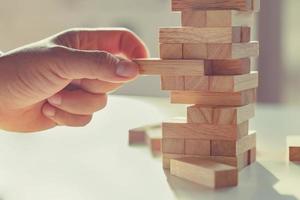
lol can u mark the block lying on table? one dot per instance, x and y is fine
(205, 172)
(138, 135)
(214, 98)
(240, 162)
(227, 83)
(216, 18)
(193, 67)
(204, 35)
(293, 143)
(149, 134)
(220, 51)
(220, 115)
(243, 5)
(233, 148)
(294, 154)
(179, 129)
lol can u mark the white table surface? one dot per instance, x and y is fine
(95, 162)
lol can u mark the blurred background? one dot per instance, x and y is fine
(23, 22)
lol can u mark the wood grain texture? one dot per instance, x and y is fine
(197, 147)
(173, 67)
(172, 82)
(214, 98)
(232, 161)
(233, 148)
(216, 18)
(211, 83)
(179, 129)
(204, 172)
(176, 146)
(221, 51)
(193, 67)
(138, 135)
(220, 115)
(240, 161)
(203, 35)
(171, 51)
(230, 66)
(294, 154)
(243, 5)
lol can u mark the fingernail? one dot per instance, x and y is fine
(55, 100)
(49, 111)
(127, 70)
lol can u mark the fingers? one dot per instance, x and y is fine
(64, 118)
(78, 102)
(78, 64)
(115, 41)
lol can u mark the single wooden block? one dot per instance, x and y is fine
(196, 83)
(221, 51)
(172, 82)
(211, 83)
(230, 66)
(233, 148)
(153, 140)
(171, 51)
(214, 98)
(240, 162)
(197, 147)
(193, 67)
(138, 135)
(205, 172)
(180, 129)
(203, 35)
(294, 154)
(166, 158)
(220, 115)
(173, 67)
(221, 83)
(243, 5)
(233, 51)
(195, 51)
(176, 146)
(194, 18)
(216, 18)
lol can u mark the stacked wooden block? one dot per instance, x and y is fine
(206, 62)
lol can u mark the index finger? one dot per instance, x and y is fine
(116, 41)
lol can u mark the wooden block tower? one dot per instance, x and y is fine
(206, 63)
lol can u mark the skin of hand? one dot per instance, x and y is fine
(64, 79)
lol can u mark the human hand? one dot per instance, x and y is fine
(64, 79)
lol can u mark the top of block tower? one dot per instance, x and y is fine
(241, 5)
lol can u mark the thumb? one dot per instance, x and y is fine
(78, 64)
(31, 75)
